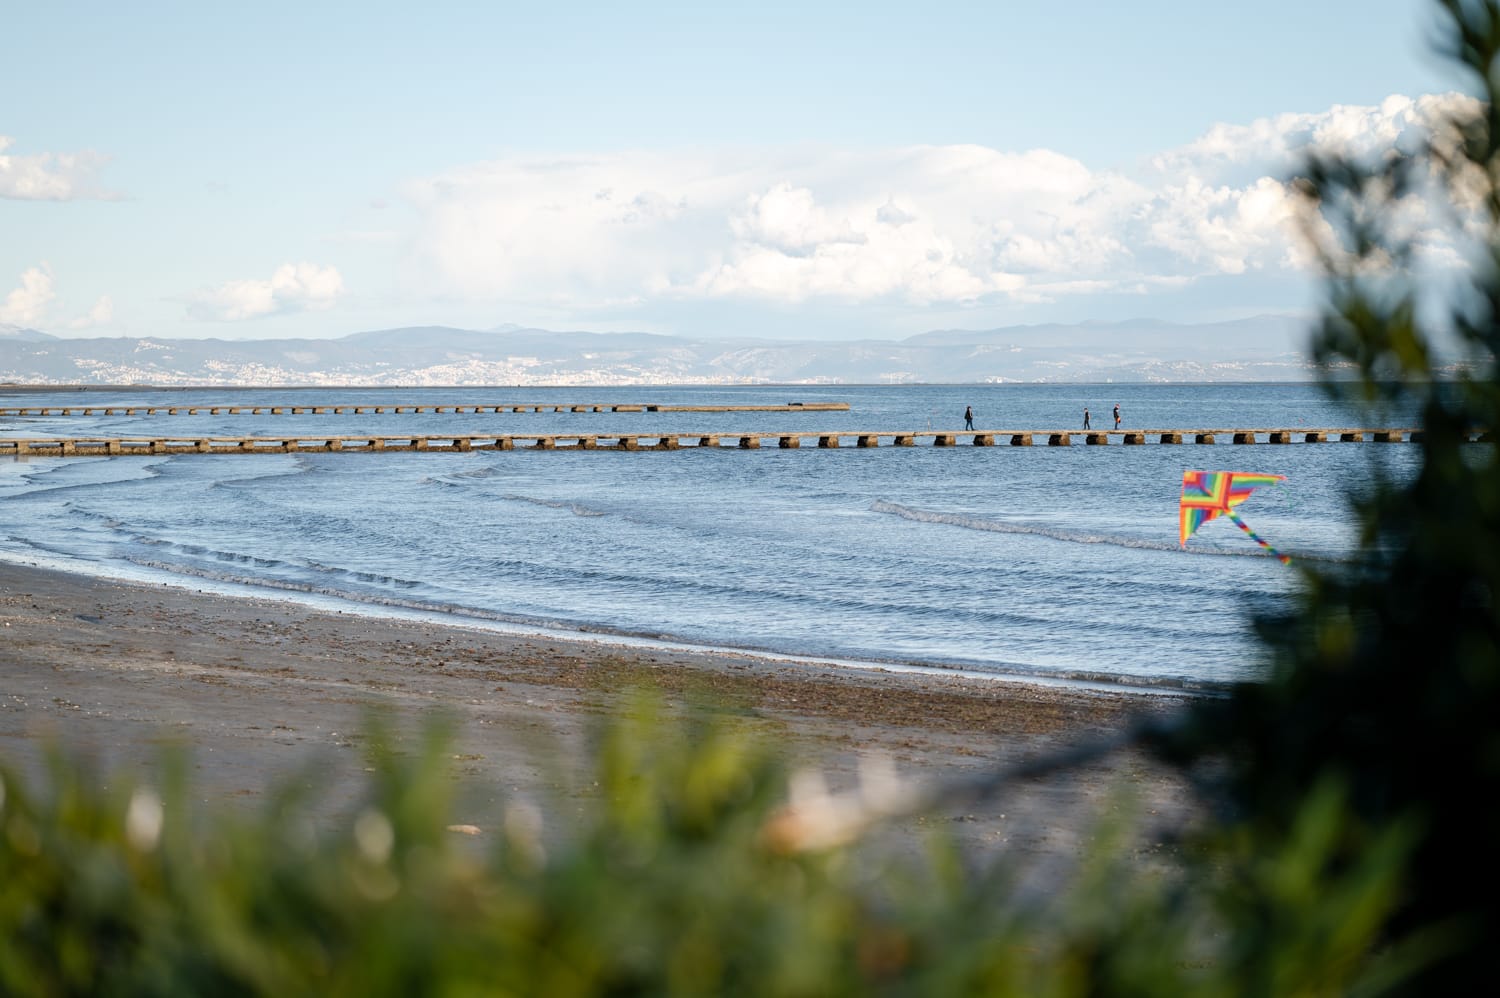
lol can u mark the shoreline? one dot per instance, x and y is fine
(605, 640)
(260, 691)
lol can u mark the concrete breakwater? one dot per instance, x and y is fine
(361, 410)
(121, 446)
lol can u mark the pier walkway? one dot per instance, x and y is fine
(111, 446)
(361, 410)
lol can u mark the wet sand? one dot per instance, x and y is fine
(260, 692)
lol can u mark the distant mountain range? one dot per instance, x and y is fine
(1265, 348)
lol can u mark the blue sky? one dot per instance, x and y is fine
(787, 170)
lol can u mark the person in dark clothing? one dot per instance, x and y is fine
(968, 417)
(1117, 415)
(1085, 419)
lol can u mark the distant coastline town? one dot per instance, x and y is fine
(1265, 348)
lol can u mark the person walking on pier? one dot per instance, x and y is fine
(968, 417)
(1085, 418)
(1117, 415)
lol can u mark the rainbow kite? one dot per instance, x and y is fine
(1207, 494)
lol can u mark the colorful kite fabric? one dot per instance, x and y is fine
(1207, 494)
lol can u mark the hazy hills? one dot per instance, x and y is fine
(1258, 349)
(20, 334)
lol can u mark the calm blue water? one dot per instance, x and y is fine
(1041, 561)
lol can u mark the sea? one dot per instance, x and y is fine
(1053, 564)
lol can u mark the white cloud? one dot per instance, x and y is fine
(27, 304)
(892, 213)
(1222, 229)
(1273, 146)
(790, 220)
(102, 314)
(51, 176)
(292, 288)
(920, 225)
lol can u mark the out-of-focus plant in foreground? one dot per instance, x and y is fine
(674, 881)
(1386, 676)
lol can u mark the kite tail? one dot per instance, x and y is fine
(1283, 558)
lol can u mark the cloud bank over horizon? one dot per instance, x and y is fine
(919, 225)
(929, 229)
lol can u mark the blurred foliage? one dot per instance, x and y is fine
(669, 884)
(1386, 677)
(1355, 792)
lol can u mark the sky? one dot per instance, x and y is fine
(781, 170)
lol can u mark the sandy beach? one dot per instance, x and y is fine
(263, 691)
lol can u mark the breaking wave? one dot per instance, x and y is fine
(577, 509)
(1054, 533)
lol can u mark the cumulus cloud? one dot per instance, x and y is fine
(923, 225)
(294, 287)
(28, 303)
(102, 314)
(892, 213)
(790, 220)
(1236, 154)
(1223, 229)
(51, 176)
(572, 228)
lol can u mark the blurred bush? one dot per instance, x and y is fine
(670, 884)
(1386, 677)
